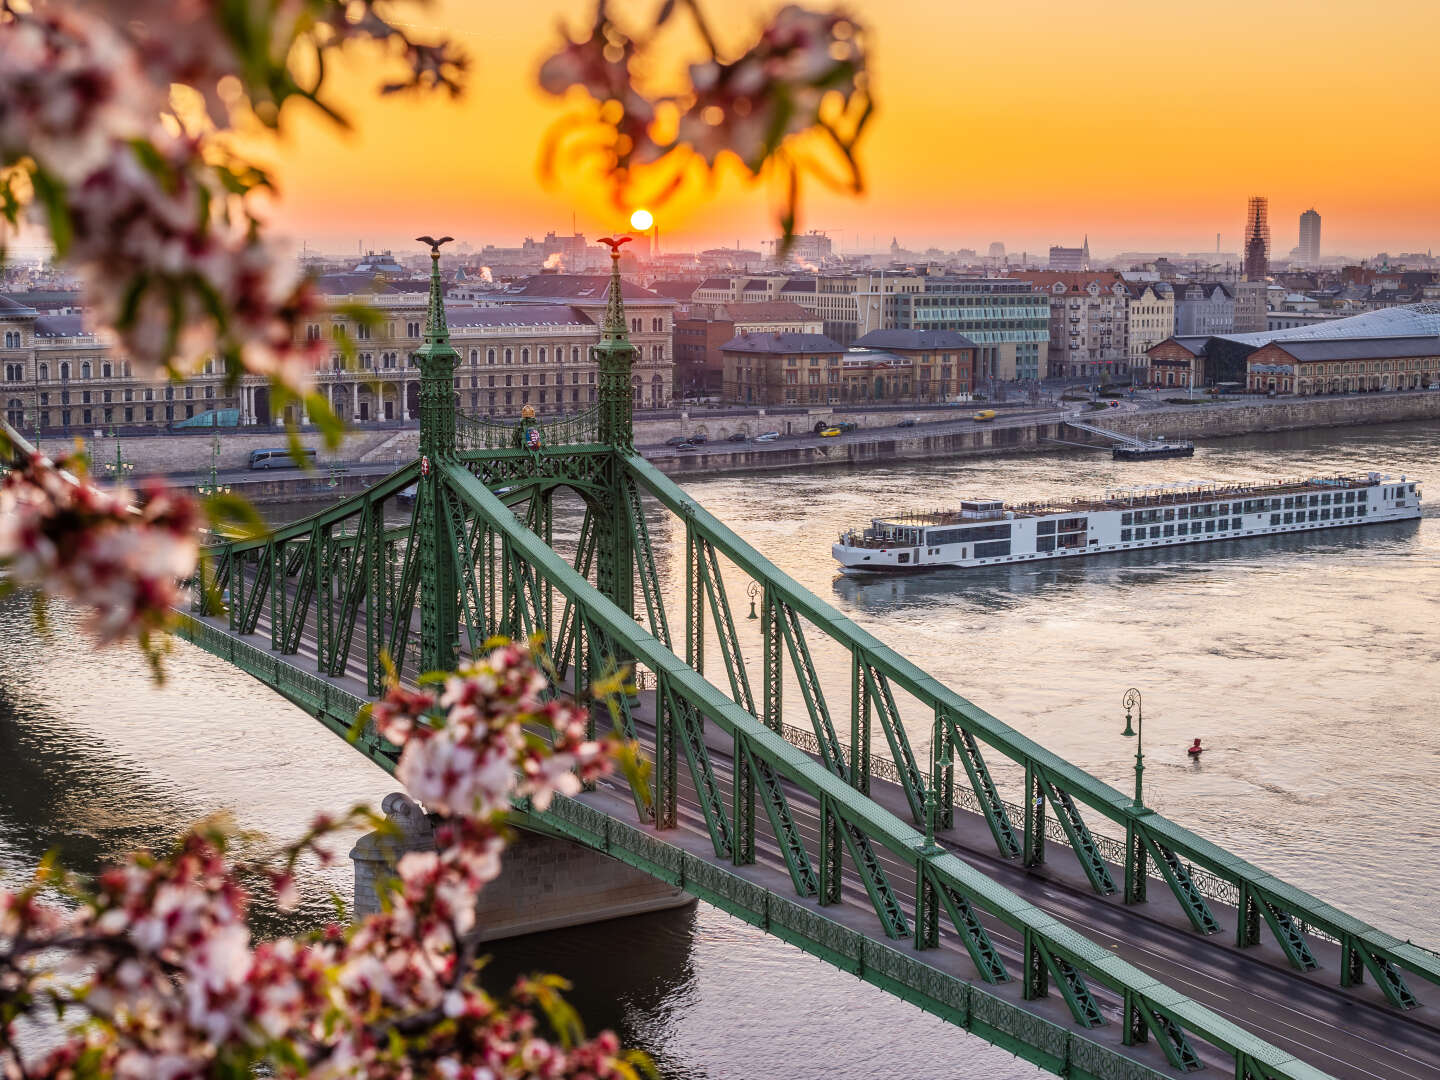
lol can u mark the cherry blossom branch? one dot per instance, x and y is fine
(156, 958)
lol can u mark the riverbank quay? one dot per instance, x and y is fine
(938, 432)
(1021, 433)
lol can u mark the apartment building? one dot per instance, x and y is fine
(1089, 321)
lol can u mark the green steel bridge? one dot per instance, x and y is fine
(1085, 934)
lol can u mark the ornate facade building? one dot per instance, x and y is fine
(61, 379)
(529, 345)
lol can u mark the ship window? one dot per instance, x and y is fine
(1125, 519)
(1364, 510)
(1314, 500)
(904, 557)
(1047, 543)
(1124, 535)
(1274, 519)
(1154, 532)
(1325, 500)
(1169, 530)
(1274, 504)
(1047, 528)
(1224, 509)
(1169, 515)
(995, 547)
(1350, 496)
(1209, 526)
(1313, 513)
(1289, 504)
(1184, 512)
(1325, 514)
(1234, 523)
(1364, 496)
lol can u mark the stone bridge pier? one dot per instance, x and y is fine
(546, 883)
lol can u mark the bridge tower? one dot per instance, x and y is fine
(614, 355)
(439, 573)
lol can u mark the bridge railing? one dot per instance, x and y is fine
(482, 433)
(1191, 866)
(848, 820)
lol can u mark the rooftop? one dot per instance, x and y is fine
(1413, 320)
(516, 315)
(782, 343)
(1360, 348)
(582, 287)
(61, 326)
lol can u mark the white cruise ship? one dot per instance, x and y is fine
(983, 532)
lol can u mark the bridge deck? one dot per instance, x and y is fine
(1343, 1033)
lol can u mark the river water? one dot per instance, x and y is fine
(1306, 663)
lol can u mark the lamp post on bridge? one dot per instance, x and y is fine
(1132, 703)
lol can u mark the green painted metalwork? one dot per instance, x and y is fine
(506, 576)
(439, 586)
(1081, 842)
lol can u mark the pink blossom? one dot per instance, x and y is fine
(68, 537)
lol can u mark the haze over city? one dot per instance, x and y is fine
(1145, 128)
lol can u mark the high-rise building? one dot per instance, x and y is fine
(1257, 239)
(1063, 258)
(1310, 238)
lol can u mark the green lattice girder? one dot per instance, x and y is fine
(1092, 963)
(1083, 788)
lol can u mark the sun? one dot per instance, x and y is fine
(641, 219)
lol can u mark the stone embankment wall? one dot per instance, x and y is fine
(181, 453)
(1218, 420)
(909, 444)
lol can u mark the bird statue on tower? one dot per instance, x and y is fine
(434, 244)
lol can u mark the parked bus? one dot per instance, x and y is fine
(279, 458)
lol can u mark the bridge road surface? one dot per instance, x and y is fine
(1349, 1034)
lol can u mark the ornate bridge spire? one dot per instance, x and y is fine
(437, 358)
(614, 356)
(439, 575)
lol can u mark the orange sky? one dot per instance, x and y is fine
(1030, 121)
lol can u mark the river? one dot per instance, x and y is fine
(1306, 663)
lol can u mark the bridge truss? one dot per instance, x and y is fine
(853, 855)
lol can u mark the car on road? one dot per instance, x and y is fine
(688, 447)
(677, 440)
(909, 421)
(767, 436)
(984, 414)
(699, 438)
(738, 436)
(830, 433)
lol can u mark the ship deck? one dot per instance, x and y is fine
(1169, 495)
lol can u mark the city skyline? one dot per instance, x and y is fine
(1020, 157)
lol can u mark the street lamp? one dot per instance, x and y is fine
(1131, 701)
(214, 487)
(121, 466)
(752, 590)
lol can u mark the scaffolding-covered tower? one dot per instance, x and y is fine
(1257, 239)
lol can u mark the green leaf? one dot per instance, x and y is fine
(234, 516)
(50, 191)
